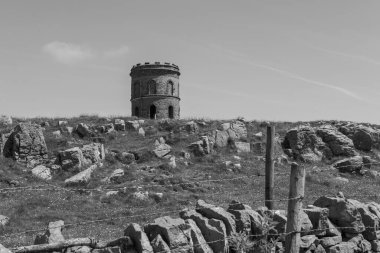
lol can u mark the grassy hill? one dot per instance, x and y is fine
(31, 203)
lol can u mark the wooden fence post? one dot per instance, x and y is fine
(296, 193)
(269, 168)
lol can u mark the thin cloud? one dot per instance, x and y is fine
(68, 53)
(347, 55)
(118, 52)
(241, 58)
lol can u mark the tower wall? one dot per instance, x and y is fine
(155, 90)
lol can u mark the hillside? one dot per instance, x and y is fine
(148, 186)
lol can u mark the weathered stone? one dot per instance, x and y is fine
(115, 249)
(132, 125)
(26, 144)
(53, 233)
(242, 219)
(338, 143)
(116, 175)
(319, 249)
(237, 130)
(5, 121)
(242, 147)
(172, 164)
(162, 150)
(159, 245)
(367, 162)
(171, 230)
(4, 250)
(93, 153)
(370, 220)
(42, 172)
(57, 134)
(201, 147)
(349, 164)
(71, 159)
(83, 130)
(307, 241)
(119, 125)
(78, 249)
(361, 245)
(191, 127)
(214, 231)
(363, 139)
(82, 178)
(318, 217)
(215, 212)
(327, 242)
(375, 245)
(304, 144)
(62, 123)
(4, 220)
(141, 131)
(343, 213)
(221, 138)
(139, 238)
(343, 247)
(199, 243)
(280, 218)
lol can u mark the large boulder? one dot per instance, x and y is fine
(139, 238)
(339, 144)
(53, 233)
(214, 231)
(26, 144)
(82, 178)
(304, 144)
(93, 153)
(364, 138)
(175, 232)
(71, 159)
(343, 213)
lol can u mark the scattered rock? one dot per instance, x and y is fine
(351, 164)
(328, 242)
(93, 153)
(159, 245)
(132, 125)
(141, 196)
(191, 127)
(5, 121)
(4, 220)
(201, 147)
(63, 123)
(42, 172)
(71, 159)
(26, 144)
(242, 147)
(116, 175)
(82, 178)
(141, 132)
(139, 238)
(83, 130)
(172, 163)
(162, 150)
(57, 134)
(119, 125)
(307, 241)
(53, 233)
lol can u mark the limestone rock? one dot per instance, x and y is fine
(221, 138)
(214, 231)
(53, 233)
(83, 130)
(307, 241)
(4, 250)
(241, 211)
(199, 242)
(4, 220)
(26, 144)
(343, 247)
(338, 143)
(370, 220)
(57, 134)
(132, 125)
(201, 147)
(159, 245)
(350, 164)
(237, 130)
(78, 249)
(304, 144)
(116, 175)
(42, 172)
(71, 159)
(93, 153)
(171, 230)
(139, 238)
(364, 138)
(162, 150)
(119, 125)
(215, 212)
(242, 147)
(82, 178)
(5, 121)
(141, 132)
(191, 127)
(63, 123)
(319, 219)
(328, 242)
(343, 213)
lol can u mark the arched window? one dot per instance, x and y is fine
(136, 89)
(152, 87)
(170, 88)
(137, 111)
(152, 112)
(171, 112)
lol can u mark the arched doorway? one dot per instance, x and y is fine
(137, 112)
(152, 111)
(171, 112)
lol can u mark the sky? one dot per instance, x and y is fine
(283, 60)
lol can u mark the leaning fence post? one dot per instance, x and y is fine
(269, 167)
(296, 193)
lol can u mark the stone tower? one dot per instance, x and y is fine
(155, 90)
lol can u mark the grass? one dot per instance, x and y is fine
(181, 187)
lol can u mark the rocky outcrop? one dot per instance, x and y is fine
(26, 144)
(339, 144)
